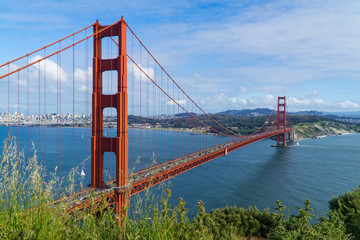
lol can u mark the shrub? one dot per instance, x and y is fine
(347, 206)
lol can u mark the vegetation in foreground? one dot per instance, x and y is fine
(26, 212)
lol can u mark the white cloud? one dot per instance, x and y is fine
(312, 94)
(243, 89)
(349, 105)
(221, 97)
(295, 104)
(200, 79)
(238, 101)
(181, 102)
(321, 102)
(54, 90)
(84, 88)
(82, 75)
(138, 72)
(221, 102)
(269, 99)
(52, 70)
(315, 93)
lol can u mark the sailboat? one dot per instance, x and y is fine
(82, 172)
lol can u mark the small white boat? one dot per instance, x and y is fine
(297, 144)
(82, 172)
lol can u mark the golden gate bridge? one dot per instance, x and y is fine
(38, 88)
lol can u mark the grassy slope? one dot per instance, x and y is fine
(306, 130)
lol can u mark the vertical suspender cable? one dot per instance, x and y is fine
(86, 110)
(172, 112)
(147, 115)
(108, 109)
(28, 118)
(45, 111)
(168, 113)
(140, 113)
(132, 103)
(18, 113)
(73, 132)
(183, 128)
(60, 80)
(8, 114)
(155, 117)
(178, 123)
(162, 111)
(39, 115)
(57, 124)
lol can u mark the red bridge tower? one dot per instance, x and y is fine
(281, 121)
(119, 101)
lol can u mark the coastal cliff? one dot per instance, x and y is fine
(324, 128)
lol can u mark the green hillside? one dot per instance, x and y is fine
(307, 130)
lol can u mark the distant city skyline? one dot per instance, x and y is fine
(225, 54)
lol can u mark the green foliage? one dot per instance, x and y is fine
(347, 206)
(240, 221)
(299, 226)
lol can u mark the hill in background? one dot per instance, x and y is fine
(247, 112)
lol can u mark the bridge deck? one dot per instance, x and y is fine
(151, 176)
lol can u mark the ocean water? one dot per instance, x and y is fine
(255, 175)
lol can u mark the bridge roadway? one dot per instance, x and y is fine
(156, 174)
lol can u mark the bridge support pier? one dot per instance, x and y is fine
(99, 143)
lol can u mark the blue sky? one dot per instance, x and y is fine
(225, 54)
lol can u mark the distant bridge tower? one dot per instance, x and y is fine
(281, 121)
(99, 143)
